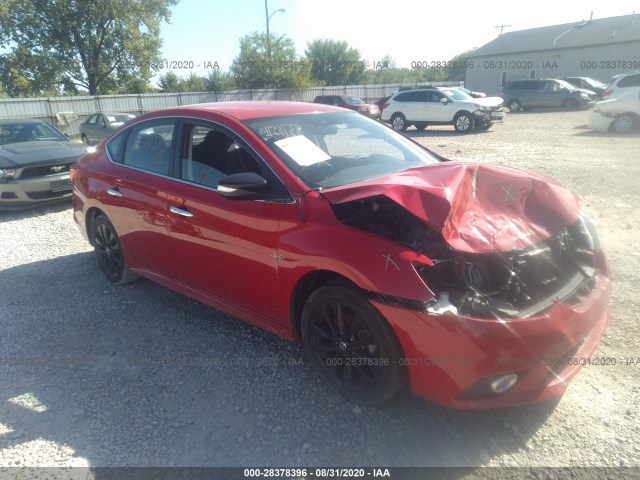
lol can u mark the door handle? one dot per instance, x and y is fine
(181, 212)
(114, 192)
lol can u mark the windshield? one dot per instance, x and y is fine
(328, 150)
(594, 83)
(119, 117)
(28, 132)
(353, 100)
(566, 85)
(457, 94)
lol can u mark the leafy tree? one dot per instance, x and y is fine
(333, 62)
(27, 75)
(169, 82)
(253, 68)
(218, 81)
(88, 43)
(194, 83)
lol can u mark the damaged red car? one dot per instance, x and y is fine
(475, 285)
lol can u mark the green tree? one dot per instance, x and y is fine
(218, 81)
(169, 82)
(27, 75)
(194, 83)
(333, 62)
(89, 43)
(252, 68)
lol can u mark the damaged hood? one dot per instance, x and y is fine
(477, 208)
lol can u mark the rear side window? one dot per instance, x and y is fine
(150, 146)
(630, 81)
(406, 97)
(113, 147)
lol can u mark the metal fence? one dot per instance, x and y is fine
(67, 113)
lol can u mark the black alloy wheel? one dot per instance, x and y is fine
(352, 345)
(109, 252)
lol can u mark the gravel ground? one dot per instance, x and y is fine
(93, 374)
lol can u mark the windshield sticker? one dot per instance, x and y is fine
(302, 150)
(280, 130)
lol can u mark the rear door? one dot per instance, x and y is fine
(136, 194)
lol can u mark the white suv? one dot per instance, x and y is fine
(622, 84)
(441, 106)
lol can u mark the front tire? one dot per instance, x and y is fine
(399, 122)
(623, 123)
(464, 122)
(420, 126)
(514, 106)
(109, 253)
(351, 345)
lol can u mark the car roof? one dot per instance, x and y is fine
(11, 121)
(246, 110)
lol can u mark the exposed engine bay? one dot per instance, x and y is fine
(513, 284)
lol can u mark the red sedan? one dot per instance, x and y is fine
(478, 285)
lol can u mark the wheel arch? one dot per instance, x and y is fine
(304, 287)
(90, 216)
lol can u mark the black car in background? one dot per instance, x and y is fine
(588, 83)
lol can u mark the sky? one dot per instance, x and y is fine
(208, 31)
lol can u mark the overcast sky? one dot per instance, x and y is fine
(209, 30)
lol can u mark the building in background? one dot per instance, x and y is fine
(599, 49)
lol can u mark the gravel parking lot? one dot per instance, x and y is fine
(101, 375)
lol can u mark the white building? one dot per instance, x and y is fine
(597, 48)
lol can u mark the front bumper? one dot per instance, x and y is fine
(489, 116)
(451, 359)
(20, 194)
(599, 122)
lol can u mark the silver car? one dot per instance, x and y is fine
(99, 125)
(35, 159)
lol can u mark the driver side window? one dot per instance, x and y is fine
(209, 154)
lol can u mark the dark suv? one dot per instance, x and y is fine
(544, 93)
(352, 102)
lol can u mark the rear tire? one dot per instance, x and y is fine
(570, 104)
(420, 126)
(623, 123)
(399, 122)
(351, 345)
(109, 253)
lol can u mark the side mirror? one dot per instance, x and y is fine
(242, 186)
(444, 100)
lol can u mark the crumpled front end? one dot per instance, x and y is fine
(519, 285)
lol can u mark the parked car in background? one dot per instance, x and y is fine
(441, 106)
(621, 85)
(99, 125)
(352, 102)
(545, 93)
(475, 284)
(588, 84)
(621, 114)
(35, 159)
(472, 93)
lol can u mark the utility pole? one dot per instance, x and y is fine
(268, 18)
(501, 27)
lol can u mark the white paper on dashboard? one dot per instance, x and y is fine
(302, 150)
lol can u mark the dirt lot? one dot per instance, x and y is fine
(94, 374)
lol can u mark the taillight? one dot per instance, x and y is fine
(73, 171)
